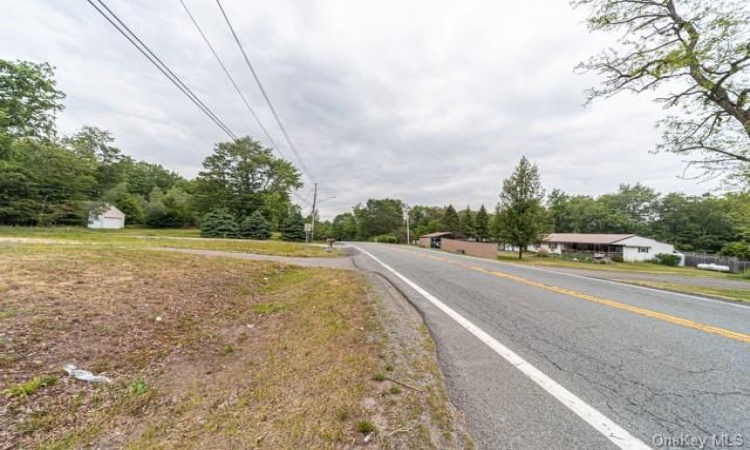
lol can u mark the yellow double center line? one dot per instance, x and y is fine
(607, 302)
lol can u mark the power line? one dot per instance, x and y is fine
(231, 79)
(265, 95)
(159, 64)
(167, 72)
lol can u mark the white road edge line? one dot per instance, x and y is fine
(616, 434)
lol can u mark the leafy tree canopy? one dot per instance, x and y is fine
(695, 51)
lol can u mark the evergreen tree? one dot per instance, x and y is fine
(466, 226)
(219, 223)
(292, 226)
(255, 227)
(521, 213)
(450, 220)
(482, 225)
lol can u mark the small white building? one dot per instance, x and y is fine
(107, 217)
(631, 247)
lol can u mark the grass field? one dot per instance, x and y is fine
(203, 353)
(134, 237)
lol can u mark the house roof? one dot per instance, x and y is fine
(438, 234)
(584, 238)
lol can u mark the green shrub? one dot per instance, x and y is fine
(668, 259)
(385, 238)
(219, 224)
(255, 227)
(618, 258)
(542, 253)
(292, 227)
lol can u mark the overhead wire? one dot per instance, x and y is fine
(231, 79)
(159, 64)
(276, 116)
(123, 29)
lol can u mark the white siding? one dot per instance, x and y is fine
(632, 245)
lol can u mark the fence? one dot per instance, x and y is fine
(736, 265)
(480, 249)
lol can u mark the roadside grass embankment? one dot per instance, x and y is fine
(170, 238)
(202, 353)
(611, 271)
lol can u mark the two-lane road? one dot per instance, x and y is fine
(544, 360)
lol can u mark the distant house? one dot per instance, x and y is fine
(630, 247)
(106, 217)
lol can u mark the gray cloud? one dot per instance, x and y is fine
(432, 102)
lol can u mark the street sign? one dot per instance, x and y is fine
(308, 227)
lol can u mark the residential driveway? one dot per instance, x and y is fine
(615, 275)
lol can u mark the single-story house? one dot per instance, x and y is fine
(630, 247)
(432, 240)
(107, 217)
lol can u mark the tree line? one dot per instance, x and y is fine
(693, 223)
(48, 179)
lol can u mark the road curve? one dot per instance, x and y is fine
(544, 360)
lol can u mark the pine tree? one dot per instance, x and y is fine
(293, 227)
(450, 220)
(255, 227)
(482, 225)
(521, 213)
(466, 223)
(219, 224)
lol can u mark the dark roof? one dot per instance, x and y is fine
(438, 234)
(585, 238)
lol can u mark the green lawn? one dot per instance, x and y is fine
(533, 260)
(143, 238)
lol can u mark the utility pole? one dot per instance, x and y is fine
(315, 201)
(406, 218)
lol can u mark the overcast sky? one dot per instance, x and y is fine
(432, 102)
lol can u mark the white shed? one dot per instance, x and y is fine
(108, 217)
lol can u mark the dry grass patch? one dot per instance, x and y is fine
(203, 352)
(187, 239)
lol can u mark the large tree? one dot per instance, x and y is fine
(466, 224)
(521, 212)
(28, 100)
(482, 224)
(696, 55)
(379, 217)
(451, 220)
(240, 174)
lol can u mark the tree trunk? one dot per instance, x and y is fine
(520, 252)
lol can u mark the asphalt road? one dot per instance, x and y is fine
(539, 360)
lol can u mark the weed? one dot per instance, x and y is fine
(389, 368)
(378, 377)
(227, 350)
(394, 390)
(342, 414)
(31, 386)
(365, 426)
(138, 387)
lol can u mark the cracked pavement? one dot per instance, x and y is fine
(658, 380)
